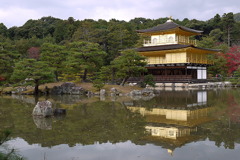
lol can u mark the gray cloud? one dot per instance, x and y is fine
(17, 12)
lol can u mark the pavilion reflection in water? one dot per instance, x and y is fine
(175, 122)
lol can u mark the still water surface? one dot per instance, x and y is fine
(176, 125)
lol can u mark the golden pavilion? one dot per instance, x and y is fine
(172, 54)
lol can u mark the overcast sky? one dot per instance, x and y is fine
(17, 12)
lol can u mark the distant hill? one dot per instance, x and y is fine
(237, 17)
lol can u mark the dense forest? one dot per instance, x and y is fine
(52, 49)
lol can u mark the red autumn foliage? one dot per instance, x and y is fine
(2, 78)
(233, 59)
(233, 109)
(34, 52)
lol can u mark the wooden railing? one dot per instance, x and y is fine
(164, 42)
(188, 60)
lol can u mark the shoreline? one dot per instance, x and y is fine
(112, 90)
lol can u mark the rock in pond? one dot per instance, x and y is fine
(43, 108)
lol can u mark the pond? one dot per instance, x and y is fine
(175, 125)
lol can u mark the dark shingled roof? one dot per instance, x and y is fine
(167, 26)
(171, 47)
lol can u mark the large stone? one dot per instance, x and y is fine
(43, 108)
(135, 93)
(147, 92)
(67, 88)
(102, 92)
(132, 84)
(114, 92)
(56, 90)
(143, 94)
(77, 90)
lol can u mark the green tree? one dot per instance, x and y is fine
(148, 80)
(6, 63)
(121, 36)
(216, 34)
(107, 74)
(12, 32)
(198, 25)
(98, 84)
(55, 56)
(218, 59)
(86, 31)
(92, 31)
(235, 34)
(3, 30)
(84, 56)
(64, 30)
(37, 72)
(22, 45)
(219, 66)
(141, 23)
(214, 23)
(228, 23)
(8, 56)
(207, 42)
(217, 20)
(129, 64)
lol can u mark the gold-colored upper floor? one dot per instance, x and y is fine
(177, 56)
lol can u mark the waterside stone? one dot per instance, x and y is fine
(67, 88)
(102, 92)
(43, 108)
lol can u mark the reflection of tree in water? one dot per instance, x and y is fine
(98, 121)
(226, 130)
(223, 134)
(85, 124)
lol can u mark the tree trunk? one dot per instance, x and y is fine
(36, 90)
(56, 76)
(124, 81)
(228, 37)
(85, 75)
(113, 77)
